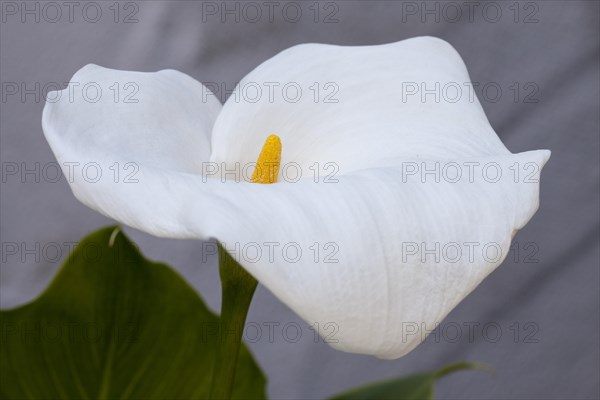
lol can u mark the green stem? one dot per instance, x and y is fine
(237, 290)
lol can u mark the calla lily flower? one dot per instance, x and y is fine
(367, 235)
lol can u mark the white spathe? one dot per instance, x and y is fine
(380, 220)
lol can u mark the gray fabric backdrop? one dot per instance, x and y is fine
(550, 288)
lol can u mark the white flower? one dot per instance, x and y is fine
(394, 228)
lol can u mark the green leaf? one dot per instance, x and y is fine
(113, 325)
(414, 387)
